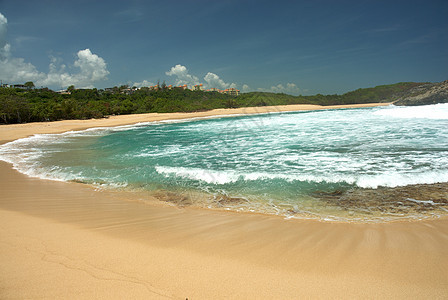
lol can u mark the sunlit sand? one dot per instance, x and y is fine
(68, 240)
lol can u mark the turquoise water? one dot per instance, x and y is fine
(291, 164)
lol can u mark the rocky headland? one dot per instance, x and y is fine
(429, 93)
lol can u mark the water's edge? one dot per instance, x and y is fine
(380, 204)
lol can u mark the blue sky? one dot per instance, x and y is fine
(296, 47)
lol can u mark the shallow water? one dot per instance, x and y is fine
(348, 164)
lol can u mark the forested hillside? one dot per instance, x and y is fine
(34, 105)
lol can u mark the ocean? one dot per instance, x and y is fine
(362, 165)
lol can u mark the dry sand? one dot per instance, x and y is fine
(63, 240)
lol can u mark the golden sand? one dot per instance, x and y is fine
(63, 240)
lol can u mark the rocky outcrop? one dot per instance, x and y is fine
(410, 199)
(430, 93)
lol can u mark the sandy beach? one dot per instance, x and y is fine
(61, 240)
(17, 131)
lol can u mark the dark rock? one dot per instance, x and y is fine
(172, 197)
(223, 200)
(420, 198)
(432, 93)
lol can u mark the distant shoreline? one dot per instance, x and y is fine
(16, 131)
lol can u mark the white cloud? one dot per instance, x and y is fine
(92, 68)
(16, 70)
(290, 88)
(213, 81)
(246, 88)
(144, 83)
(3, 22)
(4, 46)
(181, 72)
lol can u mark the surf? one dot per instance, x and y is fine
(295, 164)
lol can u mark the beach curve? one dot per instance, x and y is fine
(56, 242)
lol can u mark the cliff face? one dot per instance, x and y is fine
(431, 93)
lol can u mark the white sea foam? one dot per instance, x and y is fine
(35, 170)
(209, 176)
(25, 154)
(395, 179)
(231, 176)
(369, 148)
(157, 152)
(363, 181)
(435, 112)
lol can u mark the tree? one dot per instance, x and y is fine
(29, 85)
(71, 88)
(14, 109)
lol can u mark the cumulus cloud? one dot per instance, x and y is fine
(213, 81)
(246, 88)
(182, 76)
(290, 88)
(145, 83)
(92, 68)
(3, 24)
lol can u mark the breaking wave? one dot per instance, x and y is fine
(363, 181)
(434, 112)
(276, 161)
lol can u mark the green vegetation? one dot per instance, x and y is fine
(382, 93)
(35, 105)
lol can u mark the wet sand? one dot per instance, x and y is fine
(68, 240)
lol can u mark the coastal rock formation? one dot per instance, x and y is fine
(410, 199)
(431, 93)
(171, 197)
(224, 200)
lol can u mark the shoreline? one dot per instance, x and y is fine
(68, 240)
(59, 238)
(173, 198)
(12, 132)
